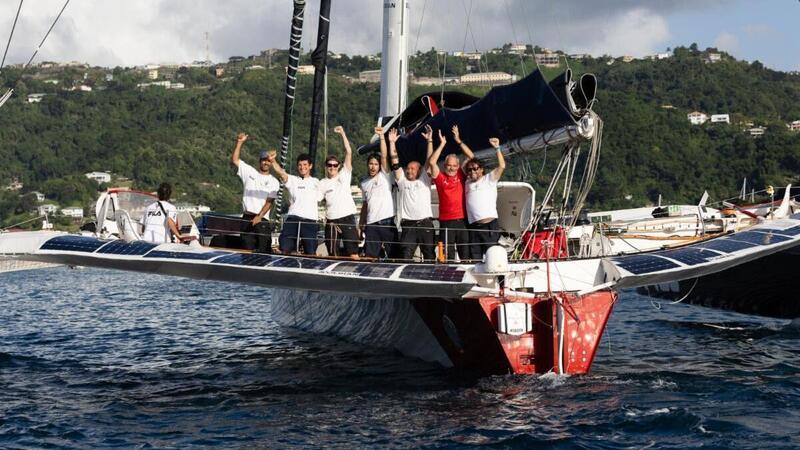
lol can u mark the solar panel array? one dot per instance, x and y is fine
(367, 269)
(726, 245)
(432, 273)
(759, 238)
(183, 255)
(127, 248)
(73, 244)
(639, 264)
(246, 259)
(690, 256)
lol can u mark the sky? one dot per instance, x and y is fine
(128, 33)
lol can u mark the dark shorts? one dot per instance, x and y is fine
(257, 238)
(455, 236)
(482, 236)
(341, 238)
(418, 233)
(299, 233)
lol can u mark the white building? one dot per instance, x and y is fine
(255, 67)
(84, 88)
(47, 209)
(35, 98)
(369, 76)
(15, 185)
(794, 126)
(39, 196)
(99, 177)
(757, 131)
(305, 70)
(487, 78)
(697, 117)
(627, 58)
(721, 118)
(713, 57)
(517, 49)
(548, 59)
(76, 212)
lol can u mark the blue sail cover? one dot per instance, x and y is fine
(507, 112)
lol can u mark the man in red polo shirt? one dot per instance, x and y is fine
(450, 188)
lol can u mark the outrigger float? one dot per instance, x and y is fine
(516, 311)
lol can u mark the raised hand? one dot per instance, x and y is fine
(338, 130)
(442, 139)
(456, 135)
(241, 137)
(379, 131)
(494, 142)
(428, 133)
(393, 135)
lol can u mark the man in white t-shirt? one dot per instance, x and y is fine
(414, 202)
(377, 210)
(300, 225)
(340, 209)
(481, 193)
(260, 189)
(160, 218)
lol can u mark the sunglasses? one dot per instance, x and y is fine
(332, 164)
(473, 169)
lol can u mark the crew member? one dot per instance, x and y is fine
(340, 209)
(450, 189)
(160, 218)
(260, 188)
(377, 210)
(414, 201)
(481, 193)
(300, 225)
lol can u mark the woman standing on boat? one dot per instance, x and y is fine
(340, 209)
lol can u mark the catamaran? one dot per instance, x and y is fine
(511, 312)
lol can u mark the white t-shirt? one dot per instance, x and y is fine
(415, 197)
(481, 198)
(377, 193)
(337, 194)
(156, 229)
(257, 187)
(304, 195)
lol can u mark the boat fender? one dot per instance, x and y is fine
(495, 261)
(515, 319)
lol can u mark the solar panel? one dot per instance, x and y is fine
(689, 256)
(291, 263)
(432, 273)
(639, 264)
(183, 255)
(758, 238)
(726, 245)
(794, 231)
(309, 263)
(246, 259)
(73, 244)
(367, 269)
(126, 248)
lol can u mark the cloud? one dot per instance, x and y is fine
(106, 32)
(727, 42)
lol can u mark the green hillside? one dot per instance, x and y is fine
(185, 136)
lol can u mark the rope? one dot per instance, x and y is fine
(10, 36)
(514, 33)
(22, 223)
(419, 28)
(47, 34)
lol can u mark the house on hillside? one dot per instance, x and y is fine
(99, 177)
(757, 132)
(76, 212)
(794, 126)
(697, 117)
(35, 98)
(369, 76)
(721, 118)
(48, 208)
(39, 195)
(713, 57)
(548, 59)
(490, 78)
(517, 49)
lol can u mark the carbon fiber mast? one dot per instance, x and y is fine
(291, 79)
(319, 58)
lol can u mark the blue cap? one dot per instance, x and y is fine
(263, 155)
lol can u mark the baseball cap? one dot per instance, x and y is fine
(263, 155)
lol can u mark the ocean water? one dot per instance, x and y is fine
(101, 359)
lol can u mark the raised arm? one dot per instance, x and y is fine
(238, 149)
(398, 171)
(501, 160)
(348, 151)
(283, 177)
(464, 147)
(428, 135)
(433, 159)
(384, 151)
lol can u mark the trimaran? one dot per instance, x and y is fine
(503, 314)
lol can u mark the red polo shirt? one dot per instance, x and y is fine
(451, 195)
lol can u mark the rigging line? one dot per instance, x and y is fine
(13, 27)
(47, 34)
(530, 35)
(468, 13)
(514, 34)
(419, 28)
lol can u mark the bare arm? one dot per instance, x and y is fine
(238, 149)
(173, 227)
(282, 175)
(433, 159)
(398, 173)
(348, 151)
(264, 210)
(428, 135)
(464, 147)
(501, 160)
(384, 151)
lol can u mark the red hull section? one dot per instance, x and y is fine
(562, 334)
